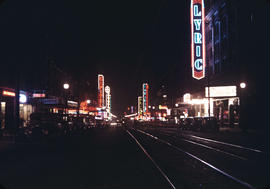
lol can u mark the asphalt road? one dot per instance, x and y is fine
(210, 160)
(137, 158)
(104, 158)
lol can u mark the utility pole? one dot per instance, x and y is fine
(16, 121)
(208, 87)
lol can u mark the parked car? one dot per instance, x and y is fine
(188, 123)
(47, 123)
(209, 124)
(197, 124)
(180, 123)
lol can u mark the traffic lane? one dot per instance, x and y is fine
(241, 145)
(105, 158)
(258, 140)
(233, 149)
(181, 169)
(255, 172)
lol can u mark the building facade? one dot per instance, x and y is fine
(229, 26)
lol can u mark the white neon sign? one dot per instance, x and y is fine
(221, 91)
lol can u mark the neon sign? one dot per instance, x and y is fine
(186, 97)
(221, 91)
(108, 98)
(140, 105)
(8, 93)
(145, 98)
(22, 97)
(39, 95)
(100, 90)
(197, 39)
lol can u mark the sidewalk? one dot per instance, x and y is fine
(238, 130)
(257, 139)
(235, 130)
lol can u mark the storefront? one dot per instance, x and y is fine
(7, 108)
(224, 105)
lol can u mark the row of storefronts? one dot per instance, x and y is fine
(7, 109)
(37, 101)
(224, 105)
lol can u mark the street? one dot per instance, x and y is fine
(134, 94)
(101, 159)
(117, 158)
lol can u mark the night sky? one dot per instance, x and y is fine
(130, 42)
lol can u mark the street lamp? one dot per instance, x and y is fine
(66, 86)
(88, 101)
(243, 85)
(241, 124)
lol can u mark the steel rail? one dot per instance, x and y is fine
(208, 147)
(228, 144)
(153, 161)
(200, 160)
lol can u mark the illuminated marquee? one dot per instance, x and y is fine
(72, 103)
(221, 91)
(197, 39)
(162, 107)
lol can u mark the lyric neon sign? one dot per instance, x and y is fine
(197, 39)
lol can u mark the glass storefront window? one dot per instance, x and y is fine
(2, 114)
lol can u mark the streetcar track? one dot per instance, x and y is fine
(215, 149)
(223, 143)
(208, 147)
(228, 144)
(198, 159)
(153, 161)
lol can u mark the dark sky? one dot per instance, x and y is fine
(129, 41)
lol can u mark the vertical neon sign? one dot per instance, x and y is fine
(108, 98)
(197, 39)
(145, 98)
(140, 105)
(100, 90)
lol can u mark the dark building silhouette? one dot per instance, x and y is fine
(232, 48)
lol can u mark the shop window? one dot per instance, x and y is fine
(2, 114)
(224, 26)
(216, 52)
(224, 48)
(217, 31)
